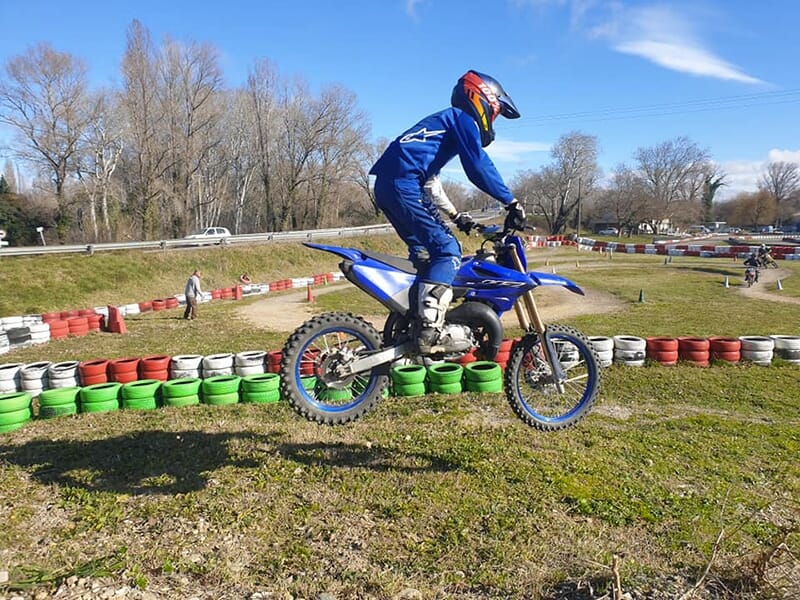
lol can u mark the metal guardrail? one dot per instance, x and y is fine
(248, 238)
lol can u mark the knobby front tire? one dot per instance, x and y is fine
(315, 350)
(529, 385)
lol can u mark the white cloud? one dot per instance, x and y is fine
(744, 175)
(515, 152)
(411, 8)
(790, 156)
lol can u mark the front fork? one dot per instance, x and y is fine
(529, 320)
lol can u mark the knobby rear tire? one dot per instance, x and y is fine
(313, 350)
(529, 388)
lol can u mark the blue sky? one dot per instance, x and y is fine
(722, 72)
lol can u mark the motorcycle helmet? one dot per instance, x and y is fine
(483, 98)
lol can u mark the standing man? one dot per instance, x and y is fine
(409, 194)
(192, 292)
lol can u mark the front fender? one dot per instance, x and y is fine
(552, 279)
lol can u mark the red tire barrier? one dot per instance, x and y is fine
(85, 312)
(694, 350)
(145, 306)
(172, 302)
(58, 329)
(216, 294)
(78, 326)
(663, 350)
(274, 361)
(155, 367)
(68, 314)
(93, 371)
(95, 322)
(123, 370)
(467, 358)
(725, 348)
(51, 316)
(158, 304)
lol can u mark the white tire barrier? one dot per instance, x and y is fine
(629, 350)
(218, 364)
(33, 377)
(250, 363)
(63, 374)
(185, 365)
(604, 346)
(757, 349)
(787, 347)
(4, 345)
(9, 377)
(40, 332)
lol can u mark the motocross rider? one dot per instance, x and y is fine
(409, 193)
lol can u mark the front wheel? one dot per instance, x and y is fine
(314, 376)
(531, 389)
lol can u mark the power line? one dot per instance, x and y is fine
(665, 109)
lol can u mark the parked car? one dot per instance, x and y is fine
(608, 231)
(209, 233)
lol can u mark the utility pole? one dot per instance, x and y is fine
(579, 207)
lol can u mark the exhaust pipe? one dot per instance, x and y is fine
(477, 314)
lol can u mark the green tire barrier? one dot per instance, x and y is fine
(495, 385)
(139, 403)
(180, 388)
(409, 389)
(445, 373)
(308, 383)
(99, 406)
(334, 395)
(482, 370)
(262, 397)
(14, 402)
(10, 428)
(12, 417)
(408, 374)
(220, 384)
(141, 389)
(59, 410)
(220, 399)
(261, 382)
(447, 388)
(180, 401)
(58, 397)
(100, 392)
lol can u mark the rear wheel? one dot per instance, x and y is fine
(530, 386)
(322, 348)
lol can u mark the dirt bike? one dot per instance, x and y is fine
(336, 366)
(751, 275)
(765, 261)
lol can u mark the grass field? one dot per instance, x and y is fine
(682, 483)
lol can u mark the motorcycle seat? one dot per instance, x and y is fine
(401, 264)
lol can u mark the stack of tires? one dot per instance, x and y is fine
(78, 326)
(155, 367)
(604, 346)
(483, 376)
(787, 347)
(725, 349)
(663, 350)
(249, 363)
(58, 402)
(5, 346)
(630, 350)
(274, 359)
(218, 364)
(757, 349)
(9, 377)
(40, 333)
(181, 392)
(33, 377)
(19, 337)
(91, 372)
(123, 370)
(185, 366)
(445, 378)
(409, 380)
(100, 397)
(503, 353)
(63, 374)
(219, 390)
(15, 411)
(261, 387)
(694, 350)
(59, 329)
(142, 394)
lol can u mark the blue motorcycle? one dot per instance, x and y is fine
(336, 366)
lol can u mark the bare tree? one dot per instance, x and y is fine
(558, 188)
(44, 97)
(625, 200)
(754, 209)
(782, 180)
(674, 173)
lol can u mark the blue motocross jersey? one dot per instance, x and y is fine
(424, 149)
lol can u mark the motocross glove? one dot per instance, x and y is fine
(464, 222)
(515, 219)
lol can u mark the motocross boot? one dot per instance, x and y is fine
(432, 302)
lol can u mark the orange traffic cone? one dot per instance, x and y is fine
(309, 294)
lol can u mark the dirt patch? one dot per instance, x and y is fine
(286, 312)
(768, 280)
